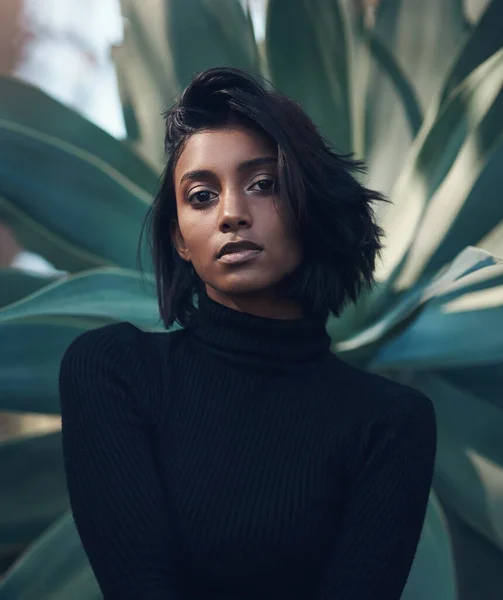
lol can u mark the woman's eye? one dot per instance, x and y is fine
(200, 197)
(265, 185)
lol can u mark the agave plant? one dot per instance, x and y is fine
(430, 125)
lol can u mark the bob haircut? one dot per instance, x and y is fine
(326, 205)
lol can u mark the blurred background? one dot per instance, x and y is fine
(414, 87)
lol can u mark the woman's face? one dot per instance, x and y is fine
(225, 192)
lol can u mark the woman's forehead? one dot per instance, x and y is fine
(226, 147)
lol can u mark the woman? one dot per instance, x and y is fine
(238, 458)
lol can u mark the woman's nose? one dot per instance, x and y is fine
(234, 210)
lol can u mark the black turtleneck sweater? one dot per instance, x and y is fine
(239, 459)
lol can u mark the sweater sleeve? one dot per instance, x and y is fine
(114, 490)
(386, 507)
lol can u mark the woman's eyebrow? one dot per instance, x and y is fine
(257, 162)
(244, 166)
(197, 174)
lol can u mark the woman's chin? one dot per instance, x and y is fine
(250, 283)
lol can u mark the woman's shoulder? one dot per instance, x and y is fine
(117, 339)
(122, 339)
(119, 352)
(115, 364)
(373, 395)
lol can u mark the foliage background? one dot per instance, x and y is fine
(416, 90)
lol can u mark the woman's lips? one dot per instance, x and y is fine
(239, 256)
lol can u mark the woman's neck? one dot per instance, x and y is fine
(264, 304)
(260, 343)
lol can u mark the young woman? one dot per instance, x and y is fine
(239, 458)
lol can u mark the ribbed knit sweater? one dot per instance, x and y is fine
(239, 458)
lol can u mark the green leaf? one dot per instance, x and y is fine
(434, 557)
(455, 210)
(483, 381)
(436, 28)
(131, 120)
(33, 487)
(485, 39)
(308, 59)
(403, 87)
(30, 356)
(209, 33)
(15, 284)
(469, 464)
(461, 326)
(479, 220)
(361, 64)
(54, 568)
(423, 37)
(375, 65)
(369, 341)
(493, 241)
(106, 295)
(66, 204)
(446, 162)
(35, 331)
(28, 106)
(478, 562)
(146, 74)
(39, 239)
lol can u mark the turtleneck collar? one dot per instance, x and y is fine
(275, 344)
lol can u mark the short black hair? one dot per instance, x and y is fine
(328, 207)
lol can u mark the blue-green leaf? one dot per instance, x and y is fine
(448, 159)
(374, 337)
(485, 39)
(460, 326)
(106, 295)
(209, 33)
(423, 37)
(469, 464)
(16, 284)
(54, 568)
(33, 487)
(146, 75)
(433, 556)
(30, 356)
(308, 59)
(27, 105)
(67, 204)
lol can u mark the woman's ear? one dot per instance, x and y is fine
(178, 241)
